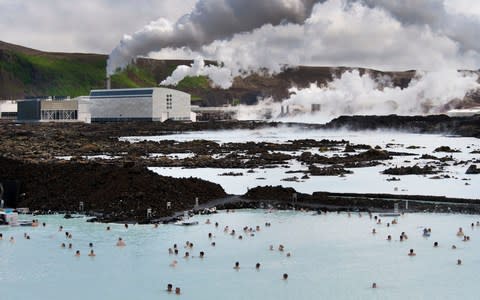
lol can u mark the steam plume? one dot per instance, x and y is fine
(354, 94)
(210, 20)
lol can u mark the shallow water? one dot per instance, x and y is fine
(363, 180)
(333, 257)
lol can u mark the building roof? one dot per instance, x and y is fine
(136, 92)
(122, 93)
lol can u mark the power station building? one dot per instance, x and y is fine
(143, 104)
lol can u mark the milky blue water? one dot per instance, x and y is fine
(333, 256)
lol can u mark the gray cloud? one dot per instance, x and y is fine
(80, 26)
(340, 33)
(210, 20)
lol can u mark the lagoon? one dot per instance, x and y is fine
(334, 256)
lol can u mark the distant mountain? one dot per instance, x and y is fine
(26, 72)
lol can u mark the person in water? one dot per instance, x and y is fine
(459, 261)
(374, 231)
(411, 253)
(202, 254)
(237, 266)
(77, 253)
(389, 238)
(173, 264)
(177, 291)
(120, 242)
(435, 244)
(454, 247)
(285, 276)
(374, 285)
(257, 266)
(169, 287)
(460, 232)
(92, 253)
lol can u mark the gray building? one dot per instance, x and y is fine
(48, 110)
(142, 104)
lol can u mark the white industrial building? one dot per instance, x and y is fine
(141, 104)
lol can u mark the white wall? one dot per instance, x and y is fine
(121, 108)
(181, 107)
(8, 106)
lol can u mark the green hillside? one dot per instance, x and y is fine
(27, 72)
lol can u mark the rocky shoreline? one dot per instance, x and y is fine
(117, 193)
(51, 164)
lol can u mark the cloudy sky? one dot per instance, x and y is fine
(81, 26)
(253, 34)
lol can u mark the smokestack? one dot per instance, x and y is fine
(109, 83)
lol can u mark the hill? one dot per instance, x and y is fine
(26, 72)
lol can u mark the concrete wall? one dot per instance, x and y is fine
(180, 108)
(105, 109)
(60, 105)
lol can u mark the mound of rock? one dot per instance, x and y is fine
(446, 149)
(328, 171)
(473, 170)
(119, 192)
(413, 170)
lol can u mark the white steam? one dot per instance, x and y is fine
(406, 35)
(210, 20)
(220, 77)
(355, 94)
